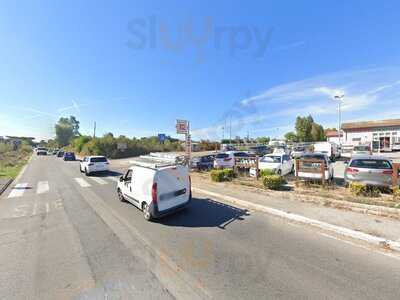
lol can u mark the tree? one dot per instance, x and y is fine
(263, 140)
(291, 137)
(66, 129)
(309, 131)
(317, 133)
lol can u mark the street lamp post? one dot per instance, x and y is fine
(339, 98)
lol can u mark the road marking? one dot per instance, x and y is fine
(18, 190)
(42, 187)
(99, 180)
(112, 178)
(82, 182)
(34, 208)
(47, 208)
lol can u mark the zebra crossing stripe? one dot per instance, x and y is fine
(99, 180)
(82, 182)
(18, 190)
(42, 187)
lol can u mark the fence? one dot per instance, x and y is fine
(246, 163)
(313, 166)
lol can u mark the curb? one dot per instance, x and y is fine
(5, 186)
(358, 235)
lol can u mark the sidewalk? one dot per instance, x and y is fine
(374, 225)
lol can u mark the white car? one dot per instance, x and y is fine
(361, 150)
(227, 159)
(328, 148)
(91, 164)
(329, 165)
(41, 151)
(155, 187)
(281, 164)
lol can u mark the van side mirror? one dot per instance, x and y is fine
(121, 179)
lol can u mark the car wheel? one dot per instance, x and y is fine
(279, 172)
(80, 169)
(120, 196)
(146, 212)
(86, 172)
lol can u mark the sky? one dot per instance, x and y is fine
(229, 67)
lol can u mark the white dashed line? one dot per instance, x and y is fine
(99, 180)
(82, 182)
(18, 190)
(42, 187)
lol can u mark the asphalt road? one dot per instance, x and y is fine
(64, 235)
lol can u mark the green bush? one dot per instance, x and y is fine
(222, 175)
(266, 172)
(273, 182)
(360, 189)
(396, 193)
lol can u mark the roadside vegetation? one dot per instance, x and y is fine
(12, 160)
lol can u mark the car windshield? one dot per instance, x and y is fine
(98, 159)
(222, 155)
(361, 148)
(273, 159)
(371, 164)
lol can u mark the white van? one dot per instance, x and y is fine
(328, 148)
(157, 188)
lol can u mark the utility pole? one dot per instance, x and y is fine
(230, 129)
(94, 130)
(339, 98)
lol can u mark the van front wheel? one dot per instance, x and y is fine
(146, 212)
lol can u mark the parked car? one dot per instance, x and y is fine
(60, 153)
(157, 189)
(55, 151)
(260, 150)
(328, 174)
(91, 164)
(281, 164)
(298, 151)
(369, 169)
(328, 148)
(396, 147)
(205, 162)
(41, 151)
(69, 156)
(361, 150)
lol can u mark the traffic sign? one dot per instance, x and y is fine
(182, 127)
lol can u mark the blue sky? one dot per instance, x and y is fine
(136, 66)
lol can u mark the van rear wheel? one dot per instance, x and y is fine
(120, 196)
(146, 212)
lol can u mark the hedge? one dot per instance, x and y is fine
(273, 182)
(222, 175)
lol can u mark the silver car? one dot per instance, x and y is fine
(370, 170)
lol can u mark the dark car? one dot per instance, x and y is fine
(69, 156)
(260, 150)
(60, 153)
(205, 162)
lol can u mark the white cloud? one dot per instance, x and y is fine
(367, 92)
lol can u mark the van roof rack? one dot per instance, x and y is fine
(156, 162)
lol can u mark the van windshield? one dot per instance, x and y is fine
(273, 159)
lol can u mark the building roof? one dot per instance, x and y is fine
(332, 133)
(371, 124)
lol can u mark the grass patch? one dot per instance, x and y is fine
(12, 161)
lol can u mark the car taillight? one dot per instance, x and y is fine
(154, 192)
(387, 172)
(352, 170)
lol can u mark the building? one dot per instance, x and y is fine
(381, 135)
(333, 137)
